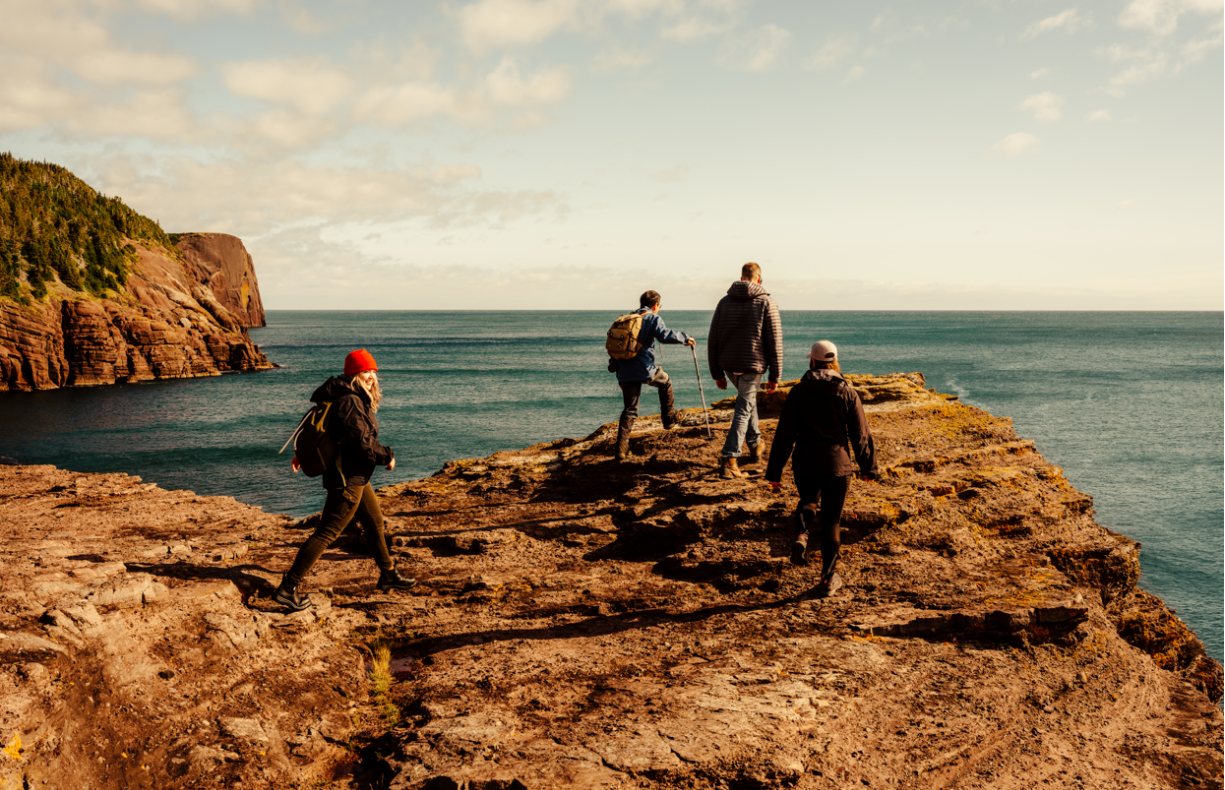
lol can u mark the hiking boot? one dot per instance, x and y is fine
(799, 547)
(670, 419)
(730, 469)
(757, 453)
(829, 585)
(288, 596)
(392, 580)
(623, 438)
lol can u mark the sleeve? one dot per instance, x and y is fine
(772, 341)
(860, 435)
(784, 437)
(359, 434)
(665, 335)
(712, 344)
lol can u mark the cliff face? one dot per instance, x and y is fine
(173, 319)
(582, 623)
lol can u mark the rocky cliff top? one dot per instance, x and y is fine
(583, 623)
(91, 292)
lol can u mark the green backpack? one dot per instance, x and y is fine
(622, 342)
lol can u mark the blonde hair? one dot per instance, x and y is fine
(816, 364)
(368, 380)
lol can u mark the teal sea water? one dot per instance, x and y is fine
(1129, 404)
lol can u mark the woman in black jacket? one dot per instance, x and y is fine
(355, 396)
(820, 416)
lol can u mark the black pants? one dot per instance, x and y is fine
(830, 491)
(342, 506)
(631, 393)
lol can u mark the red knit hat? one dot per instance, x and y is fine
(359, 360)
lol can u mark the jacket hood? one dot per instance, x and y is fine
(742, 289)
(335, 388)
(823, 375)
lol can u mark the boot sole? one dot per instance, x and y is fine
(395, 587)
(290, 605)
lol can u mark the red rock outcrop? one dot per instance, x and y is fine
(222, 264)
(176, 319)
(589, 624)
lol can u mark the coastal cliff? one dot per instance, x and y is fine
(583, 623)
(93, 293)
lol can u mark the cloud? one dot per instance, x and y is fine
(507, 87)
(833, 52)
(758, 50)
(490, 24)
(610, 60)
(1045, 106)
(399, 105)
(311, 86)
(192, 9)
(1161, 16)
(1098, 115)
(301, 20)
(1126, 205)
(1069, 21)
(695, 28)
(1015, 145)
(252, 198)
(671, 174)
(1040, 73)
(856, 73)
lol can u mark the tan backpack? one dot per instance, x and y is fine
(622, 342)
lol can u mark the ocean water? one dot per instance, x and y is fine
(1129, 404)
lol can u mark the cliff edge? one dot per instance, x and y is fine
(583, 623)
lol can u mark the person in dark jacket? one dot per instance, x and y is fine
(820, 416)
(355, 397)
(633, 373)
(746, 340)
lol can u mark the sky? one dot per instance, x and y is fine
(570, 154)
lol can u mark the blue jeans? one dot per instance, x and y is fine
(744, 418)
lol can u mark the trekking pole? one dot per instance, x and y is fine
(694, 349)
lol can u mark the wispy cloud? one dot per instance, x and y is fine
(1126, 205)
(833, 52)
(1040, 73)
(1098, 116)
(1045, 106)
(312, 86)
(671, 174)
(618, 59)
(490, 24)
(1069, 21)
(1015, 145)
(759, 49)
(1161, 16)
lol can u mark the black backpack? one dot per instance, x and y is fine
(313, 442)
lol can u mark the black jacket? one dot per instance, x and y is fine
(355, 431)
(746, 333)
(820, 416)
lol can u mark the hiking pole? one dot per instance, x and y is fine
(694, 349)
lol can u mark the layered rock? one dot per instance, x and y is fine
(584, 623)
(177, 318)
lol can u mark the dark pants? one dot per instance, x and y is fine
(631, 393)
(830, 492)
(342, 506)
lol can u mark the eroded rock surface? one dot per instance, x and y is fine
(583, 623)
(176, 319)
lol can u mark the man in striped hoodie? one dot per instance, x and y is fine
(746, 341)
